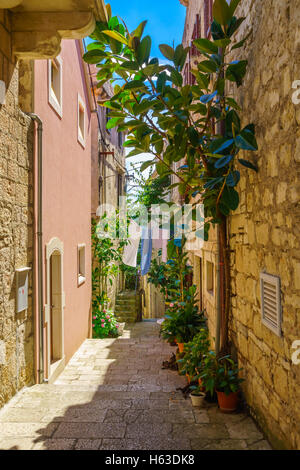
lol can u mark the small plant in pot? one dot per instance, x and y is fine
(222, 375)
(197, 397)
(195, 351)
(182, 320)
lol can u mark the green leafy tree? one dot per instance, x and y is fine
(198, 124)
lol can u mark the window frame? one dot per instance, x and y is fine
(210, 277)
(56, 102)
(81, 109)
(81, 276)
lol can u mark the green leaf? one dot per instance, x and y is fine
(193, 136)
(232, 103)
(159, 146)
(248, 164)
(222, 42)
(216, 31)
(132, 124)
(94, 56)
(144, 50)
(246, 141)
(221, 12)
(140, 29)
(176, 78)
(150, 70)
(134, 85)
(235, 72)
(117, 36)
(225, 145)
(208, 66)
(161, 81)
(130, 65)
(204, 45)
(230, 198)
(178, 55)
(232, 120)
(143, 107)
(233, 6)
(146, 165)
(234, 25)
(223, 161)
(95, 45)
(130, 143)
(167, 51)
(113, 122)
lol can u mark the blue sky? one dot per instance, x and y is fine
(165, 19)
(165, 24)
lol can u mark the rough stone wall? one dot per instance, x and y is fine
(16, 218)
(264, 232)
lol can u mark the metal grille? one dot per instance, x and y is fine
(271, 302)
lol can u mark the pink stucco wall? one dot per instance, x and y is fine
(67, 186)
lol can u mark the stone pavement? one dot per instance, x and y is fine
(114, 395)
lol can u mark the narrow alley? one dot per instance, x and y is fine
(115, 395)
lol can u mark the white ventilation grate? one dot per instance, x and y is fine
(270, 302)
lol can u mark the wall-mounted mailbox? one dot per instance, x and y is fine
(22, 289)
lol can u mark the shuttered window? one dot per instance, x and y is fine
(271, 302)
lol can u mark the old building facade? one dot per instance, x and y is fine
(263, 233)
(108, 177)
(31, 30)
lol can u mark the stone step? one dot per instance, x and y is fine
(123, 308)
(127, 303)
(127, 295)
(125, 318)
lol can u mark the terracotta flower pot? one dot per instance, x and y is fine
(198, 400)
(228, 403)
(180, 347)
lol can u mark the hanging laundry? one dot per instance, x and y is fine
(160, 242)
(146, 250)
(131, 249)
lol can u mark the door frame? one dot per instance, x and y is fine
(54, 248)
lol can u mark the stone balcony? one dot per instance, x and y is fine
(39, 26)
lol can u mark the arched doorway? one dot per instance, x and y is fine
(54, 311)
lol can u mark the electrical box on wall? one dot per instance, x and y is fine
(22, 289)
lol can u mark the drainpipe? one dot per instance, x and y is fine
(40, 282)
(219, 282)
(218, 299)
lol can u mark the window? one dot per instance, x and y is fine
(81, 264)
(81, 121)
(107, 118)
(210, 277)
(119, 187)
(120, 139)
(271, 302)
(55, 84)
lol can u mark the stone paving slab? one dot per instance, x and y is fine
(114, 395)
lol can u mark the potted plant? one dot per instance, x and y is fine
(222, 375)
(197, 397)
(195, 351)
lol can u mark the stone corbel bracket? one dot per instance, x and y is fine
(37, 30)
